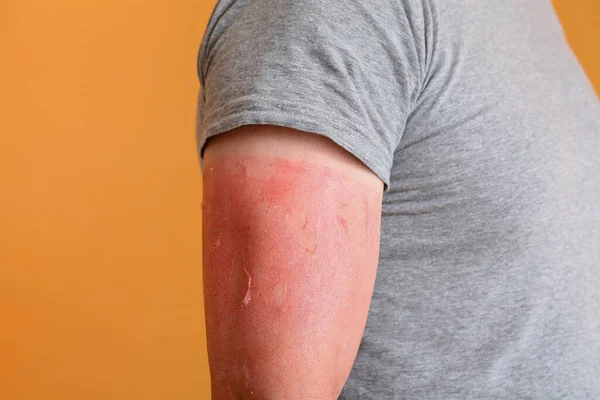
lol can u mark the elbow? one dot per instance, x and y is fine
(277, 391)
(265, 381)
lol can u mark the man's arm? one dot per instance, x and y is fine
(291, 238)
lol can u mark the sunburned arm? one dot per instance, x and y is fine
(291, 239)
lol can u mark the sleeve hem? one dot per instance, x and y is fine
(295, 116)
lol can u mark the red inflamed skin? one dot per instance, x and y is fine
(290, 244)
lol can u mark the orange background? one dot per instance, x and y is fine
(100, 246)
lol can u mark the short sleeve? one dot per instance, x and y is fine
(349, 70)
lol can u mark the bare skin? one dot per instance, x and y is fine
(291, 237)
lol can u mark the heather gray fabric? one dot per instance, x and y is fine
(486, 131)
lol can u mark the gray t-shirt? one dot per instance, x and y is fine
(486, 132)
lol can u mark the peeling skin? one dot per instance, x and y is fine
(213, 246)
(248, 295)
(279, 291)
(289, 246)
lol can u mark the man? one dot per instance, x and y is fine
(478, 123)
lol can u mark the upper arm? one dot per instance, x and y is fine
(291, 218)
(291, 238)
